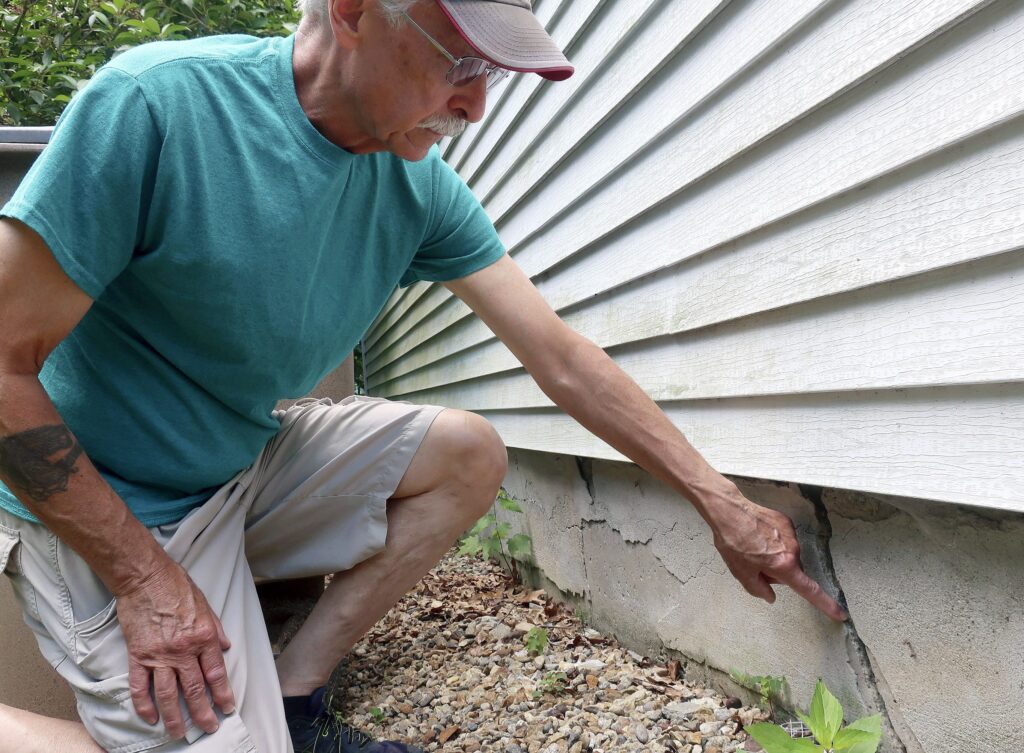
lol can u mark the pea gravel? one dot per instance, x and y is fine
(448, 669)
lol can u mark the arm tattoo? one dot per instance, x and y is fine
(39, 461)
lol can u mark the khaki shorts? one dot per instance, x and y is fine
(313, 503)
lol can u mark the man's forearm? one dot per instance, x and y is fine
(42, 463)
(595, 391)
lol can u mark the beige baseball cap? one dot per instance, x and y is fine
(507, 33)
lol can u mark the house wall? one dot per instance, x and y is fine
(799, 227)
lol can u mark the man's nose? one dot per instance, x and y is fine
(469, 101)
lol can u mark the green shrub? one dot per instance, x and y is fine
(49, 49)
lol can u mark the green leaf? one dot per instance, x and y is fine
(519, 545)
(850, 739)
(502, 530)
(109, 8)
(98, 16)
(872, 725)
(776, 740)
(491, 546)
(772, 686)
(470, 546)
(507, 503)
(826, 715)
(152, 26)
(537, 640)
(481, 525)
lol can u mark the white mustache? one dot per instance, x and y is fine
(450, 127)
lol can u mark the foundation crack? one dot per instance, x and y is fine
(586, 469)
(871, 684)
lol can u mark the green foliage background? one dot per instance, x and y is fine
(49, 49)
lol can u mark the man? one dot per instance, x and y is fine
(211, 228)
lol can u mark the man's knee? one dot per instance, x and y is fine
(476, 453)
(462, 453)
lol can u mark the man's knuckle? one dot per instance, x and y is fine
(193, 689)
(216, 674)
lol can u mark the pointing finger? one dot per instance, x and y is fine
(809, 589)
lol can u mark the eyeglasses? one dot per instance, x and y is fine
(467, 69)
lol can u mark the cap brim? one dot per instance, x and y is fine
(509, 36)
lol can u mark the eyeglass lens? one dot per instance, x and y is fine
(468, 68)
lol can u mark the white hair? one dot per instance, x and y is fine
(316, 10)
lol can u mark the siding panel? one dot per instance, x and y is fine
(781, 219)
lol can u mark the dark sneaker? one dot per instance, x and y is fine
(318, 729)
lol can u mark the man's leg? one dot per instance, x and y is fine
(25, 732)
(452, 481)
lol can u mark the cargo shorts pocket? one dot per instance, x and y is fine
(106, 709)
(10, 565)
(8, 540)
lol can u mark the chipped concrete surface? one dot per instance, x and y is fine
(938, 604)
(936, 639)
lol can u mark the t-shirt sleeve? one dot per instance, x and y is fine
(86, 194)
(462, 238)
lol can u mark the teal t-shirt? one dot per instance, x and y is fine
(235, 257)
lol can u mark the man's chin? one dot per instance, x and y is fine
(417, 144)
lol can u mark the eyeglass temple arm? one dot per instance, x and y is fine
(442, 50)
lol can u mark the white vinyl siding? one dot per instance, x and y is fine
(799, 226)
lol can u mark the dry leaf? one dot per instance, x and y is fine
(448, 733)
(673, 670)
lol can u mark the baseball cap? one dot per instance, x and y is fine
(507, 33)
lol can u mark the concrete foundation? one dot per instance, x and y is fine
(935, 642)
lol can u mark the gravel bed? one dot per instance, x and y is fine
(448, 669)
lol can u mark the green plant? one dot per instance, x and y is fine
(771, 688)
(552, 683)
(377, 714)
(825, 721)
(489, 538)
(49, 49)
(581, 614)
(537, 641)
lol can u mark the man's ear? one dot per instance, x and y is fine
(345, 19)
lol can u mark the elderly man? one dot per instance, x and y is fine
(211, 228)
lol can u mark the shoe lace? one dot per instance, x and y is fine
(331, 726)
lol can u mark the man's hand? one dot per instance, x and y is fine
(173, 639)
(759, 547)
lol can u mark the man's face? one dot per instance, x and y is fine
(406, 103)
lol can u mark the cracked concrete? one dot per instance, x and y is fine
(936, 639)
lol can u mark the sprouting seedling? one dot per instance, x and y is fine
(825, 721)
(489, 538)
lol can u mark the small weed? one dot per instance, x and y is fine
(489, 538)
(582, 616)
(377, 715)
(553, 683)
(771, 688)
(537, 641)
(825, 721)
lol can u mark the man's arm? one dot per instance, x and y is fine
(172, 634)
(758, 544)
